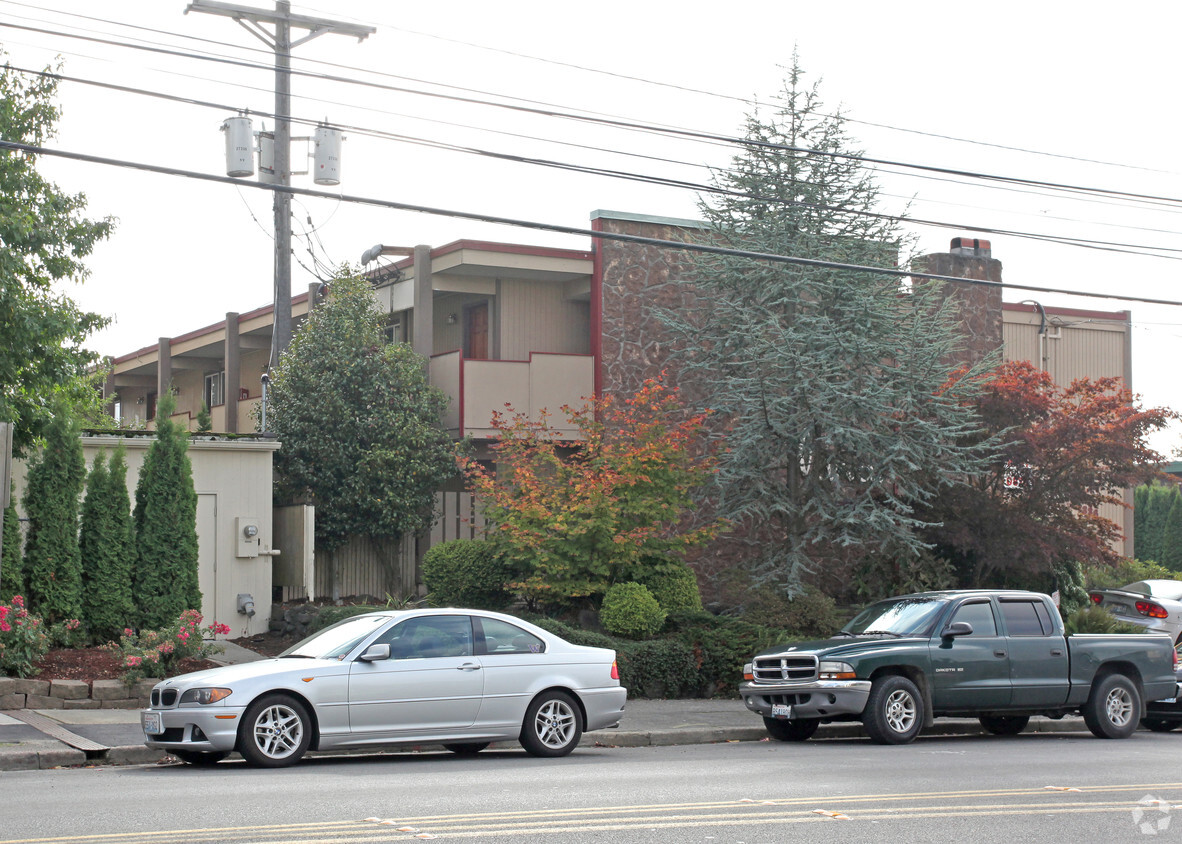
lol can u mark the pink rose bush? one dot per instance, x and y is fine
(158, 653)
(23, 639)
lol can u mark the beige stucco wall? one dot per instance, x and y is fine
(232, 479)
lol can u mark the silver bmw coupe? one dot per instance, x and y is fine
(460, 678)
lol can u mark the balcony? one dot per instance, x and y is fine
(477, 388)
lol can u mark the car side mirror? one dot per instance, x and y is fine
(375, 652)
(957, 628)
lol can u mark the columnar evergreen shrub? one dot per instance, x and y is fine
(467, 573)
(1171, 537)
(12, 581)
(108, 551)
(53, 569)
(165, 526)
(630, 610)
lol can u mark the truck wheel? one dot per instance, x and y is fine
(1159, 725)
(1113, 709)
(894, 711)
(1004, 725)
(796, 729)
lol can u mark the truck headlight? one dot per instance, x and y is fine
(205, 696)
(748, 674)
(829, 670)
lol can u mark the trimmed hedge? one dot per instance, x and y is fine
(676, 589)
(630, 610)
(466, 573)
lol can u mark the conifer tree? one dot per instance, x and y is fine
(1140, 502)
(165, 526)
(1171, 536)
(12, 581)
(835, 383)
(53, 571)
(1159, 502)
(108, 552)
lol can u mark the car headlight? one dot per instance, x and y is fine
(205, 696)
(829, 670)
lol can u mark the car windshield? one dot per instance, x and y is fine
(898, 616)
(336, 641)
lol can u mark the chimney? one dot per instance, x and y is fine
(971, 247)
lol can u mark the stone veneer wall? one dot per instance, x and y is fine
(16, 693)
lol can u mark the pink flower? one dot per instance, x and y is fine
(133, 662)
(18, 601)
(183, 635)
(127, 631)
(5, 626)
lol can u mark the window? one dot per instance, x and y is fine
(980, 615)
(428, 637)
(501, 637)
(394, 331)
(215, 389)
(1022, 618)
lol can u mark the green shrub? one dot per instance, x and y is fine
(675, 588)
(661, 668)
(1126, 572)
(158, 653)
(630, 610)
(467, 573)
(328, 616)
(810, 614)
(720, 652)
(1095, 619)
(575, 635)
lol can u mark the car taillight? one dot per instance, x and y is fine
(1151, 609)
(615, 670)
(1096, 597)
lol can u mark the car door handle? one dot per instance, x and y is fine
(1056, 652)
(469, 666)
(999, 653)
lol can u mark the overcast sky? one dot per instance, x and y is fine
(1024, 90)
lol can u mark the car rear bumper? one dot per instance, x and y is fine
(205, 729)
(605, 706)
(817, 699)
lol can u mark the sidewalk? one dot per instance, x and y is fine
(646, 723)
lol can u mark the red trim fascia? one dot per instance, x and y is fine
(1118, 316)
(597, 307)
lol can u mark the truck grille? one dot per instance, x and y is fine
(785, 669)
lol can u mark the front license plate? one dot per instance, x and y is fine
(151, 723)
(781, 710)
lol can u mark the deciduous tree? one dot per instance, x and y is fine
(1068, 451)
(45, 237)
(574, 517)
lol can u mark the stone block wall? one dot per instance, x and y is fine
(17, 693)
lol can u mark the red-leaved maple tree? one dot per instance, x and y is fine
(1067, 452)
(574, 516)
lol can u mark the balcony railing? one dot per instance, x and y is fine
(477, 388)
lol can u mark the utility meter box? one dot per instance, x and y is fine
(247, 529)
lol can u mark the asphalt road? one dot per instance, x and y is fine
(1032, 788)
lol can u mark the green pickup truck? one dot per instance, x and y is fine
(1000, 656)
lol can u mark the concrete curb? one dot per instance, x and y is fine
(44, 754)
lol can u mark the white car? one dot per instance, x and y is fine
(1154, 604)
(460, 678)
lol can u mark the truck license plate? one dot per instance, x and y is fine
(781, 710)
(151, 723)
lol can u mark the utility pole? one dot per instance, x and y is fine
(279, 40)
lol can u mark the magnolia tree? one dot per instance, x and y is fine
(360, 426)
(1067, 452)
(574, 517)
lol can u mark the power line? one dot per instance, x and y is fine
(629, 124)
(561, 229)
(1108, 246)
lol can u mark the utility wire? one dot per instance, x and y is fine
(561, 229)
(1108, 246)
(627, 124)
